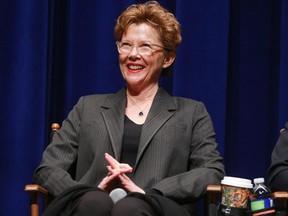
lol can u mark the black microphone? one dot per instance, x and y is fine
(117, 194)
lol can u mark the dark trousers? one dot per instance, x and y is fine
(98, 203)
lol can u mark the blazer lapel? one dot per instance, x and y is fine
(113, 113)
(160, 112)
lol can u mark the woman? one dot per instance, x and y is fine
(160, 149)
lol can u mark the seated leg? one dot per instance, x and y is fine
(132, 206)
(94, 203)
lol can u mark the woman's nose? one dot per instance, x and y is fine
(134, 51)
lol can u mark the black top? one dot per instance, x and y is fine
(131, 139)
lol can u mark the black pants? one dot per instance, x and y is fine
(98, 203)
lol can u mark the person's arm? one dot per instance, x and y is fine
(205, 163)
(60, 155)
(278, 171)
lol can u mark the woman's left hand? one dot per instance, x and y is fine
(128, 185)
(119, 169)
(116, 166)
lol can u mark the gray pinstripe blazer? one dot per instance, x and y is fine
(177, 154)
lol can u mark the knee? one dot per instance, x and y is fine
(132, 206)
(95, 202)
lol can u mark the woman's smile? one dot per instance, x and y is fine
(134, 68)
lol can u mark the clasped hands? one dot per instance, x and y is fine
(117, 177)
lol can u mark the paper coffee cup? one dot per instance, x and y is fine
(235, 191)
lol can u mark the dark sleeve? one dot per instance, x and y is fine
(153, 191)
(205, 162)
(278, 170)
(60, 155)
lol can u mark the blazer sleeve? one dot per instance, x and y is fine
(278, 170)
(54, 171)
(205, 163)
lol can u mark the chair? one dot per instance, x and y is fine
(212, 198)
(36, 191)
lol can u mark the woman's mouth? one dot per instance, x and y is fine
(135, 68)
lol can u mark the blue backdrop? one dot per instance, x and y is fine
(233, 58)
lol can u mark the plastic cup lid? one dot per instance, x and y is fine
(237, 182)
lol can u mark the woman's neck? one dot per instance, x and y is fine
(139, 104)
(142, 95)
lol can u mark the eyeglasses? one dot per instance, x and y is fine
(143, 49)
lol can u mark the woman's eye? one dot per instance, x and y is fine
(146, 45)
(126, 44)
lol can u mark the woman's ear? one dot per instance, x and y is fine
(169, 59)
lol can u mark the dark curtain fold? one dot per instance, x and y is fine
(233, 58)
(254, 92)
(23, 44)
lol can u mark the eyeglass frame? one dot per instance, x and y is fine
(118, 43)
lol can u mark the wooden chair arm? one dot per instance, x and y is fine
(214, 188)
(35, 190)
(212, 199)
(213, 193)
(281, 201)
(280, 195)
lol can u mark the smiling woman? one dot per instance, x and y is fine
(142, 72)
(160, 19)
(160, 149)
(232, 57)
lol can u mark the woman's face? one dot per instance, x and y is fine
(142, 71)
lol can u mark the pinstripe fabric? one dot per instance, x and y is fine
(177, 153)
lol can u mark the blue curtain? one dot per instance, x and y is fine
(233, 58)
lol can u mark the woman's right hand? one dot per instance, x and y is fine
(109, 182)
(115, 169)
